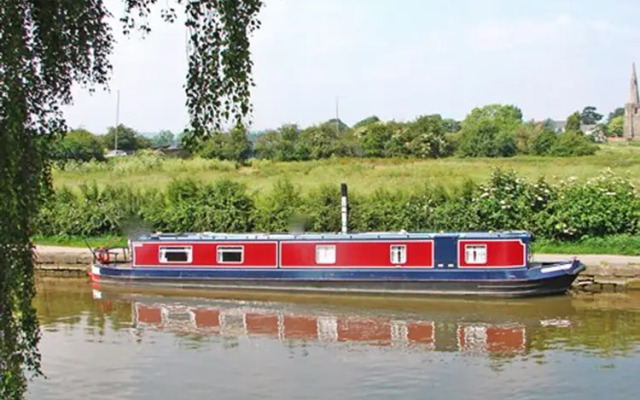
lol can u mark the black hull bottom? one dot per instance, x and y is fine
(516, 288)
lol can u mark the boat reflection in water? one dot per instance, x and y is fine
(166, 344)
(254, 320)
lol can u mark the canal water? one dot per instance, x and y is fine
(105, 344)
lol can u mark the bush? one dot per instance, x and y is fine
(79, 145)
(489, 131)
(382, 211)
(89, 212)
(570, 210)
(603, 206)
(280, 210)
(322, 209)
(572, 144)
(510, 202)
(128, 139)
(543, 143)
(222, 206)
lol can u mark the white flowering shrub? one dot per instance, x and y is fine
(602, 206)
(508, 201)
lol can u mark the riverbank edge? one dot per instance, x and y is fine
(603, 273)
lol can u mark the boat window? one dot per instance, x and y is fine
(176, 254)
(475, 253)
(398, 254)
(325, 254)
(230, 254)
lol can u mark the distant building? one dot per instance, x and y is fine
(632, 110)
(588, 129)
(174, 150)
(116, 153)
(560, 126)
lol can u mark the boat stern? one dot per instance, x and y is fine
(95, 271)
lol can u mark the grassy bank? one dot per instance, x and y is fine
(616, 244)
(363, 175)
(79, 241)
(624, 245)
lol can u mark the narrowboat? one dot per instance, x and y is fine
(391, 263)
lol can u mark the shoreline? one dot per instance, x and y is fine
(604, 273)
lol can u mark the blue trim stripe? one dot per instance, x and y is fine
(374, 275)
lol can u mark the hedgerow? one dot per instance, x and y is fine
(569, 210)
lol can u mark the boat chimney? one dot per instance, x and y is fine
(343, 189)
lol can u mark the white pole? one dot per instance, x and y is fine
(343, 189)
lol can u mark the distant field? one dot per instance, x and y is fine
(362, 175)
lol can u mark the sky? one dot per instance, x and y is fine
(397, 59)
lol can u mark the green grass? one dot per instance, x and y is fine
(362, 175)
(617, 244)
(77, 241)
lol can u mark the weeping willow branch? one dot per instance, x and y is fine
(46, 47)
(219, 78)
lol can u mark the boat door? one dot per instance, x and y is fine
(446, 251)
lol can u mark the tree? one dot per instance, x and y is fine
(549, 125)
(570, 143)
(451, 125)
(266, 145)
(542, 143)
(616, 126)
(213, 146)
(526, 135)
(589, 116)
(286, 145)
(78, 145)
(162, 139)
(320, 141)
(573, 122)
(489, 131)
(398, 145)
(427, 137)
(373, 139)
(367, 121)
(234, 146)
(46, 48)
(238, 146)
(280, 144)
(618, 112)
(337, 124)
(128, 139)
(423, 138)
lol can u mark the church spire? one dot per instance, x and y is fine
(634, 99)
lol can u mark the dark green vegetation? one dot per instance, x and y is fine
(45, 48)
(128, 139)
(491, 131)
(567, 211)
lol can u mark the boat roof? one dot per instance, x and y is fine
(211, 236)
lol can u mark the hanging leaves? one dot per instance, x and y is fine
(47, 46)
(219, 78)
